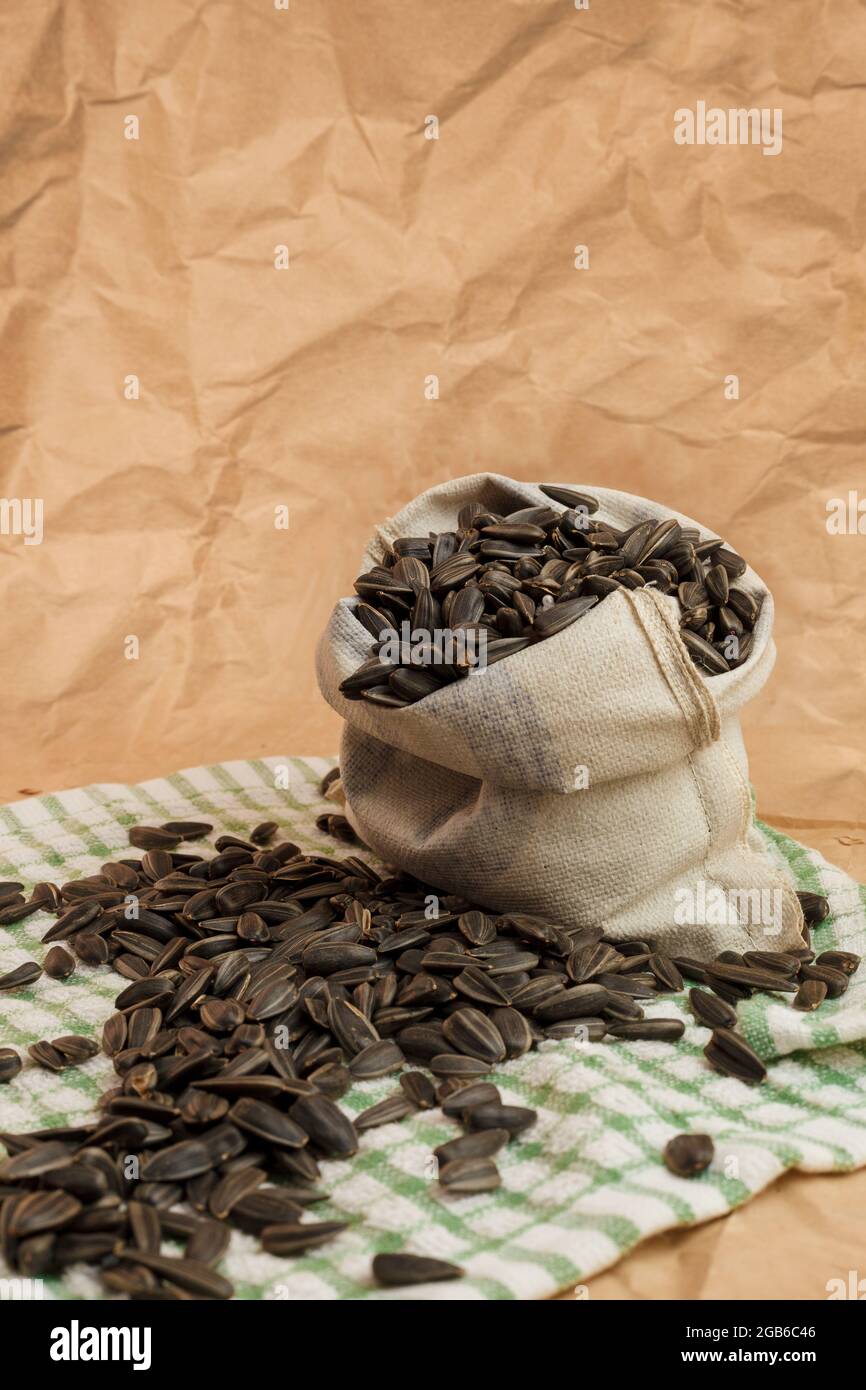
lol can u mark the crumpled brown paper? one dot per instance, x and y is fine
(411, 259)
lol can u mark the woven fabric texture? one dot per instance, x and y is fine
(579, 1190)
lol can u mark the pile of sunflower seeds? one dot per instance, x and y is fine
(259, 985)
(519, 578)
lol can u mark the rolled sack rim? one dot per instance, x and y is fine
(345, 642)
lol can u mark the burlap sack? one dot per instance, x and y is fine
(478, 788)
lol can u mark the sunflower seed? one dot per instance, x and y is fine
(75, 1049)
(353, 1031)
(470, 1175)
(648, 1029)
(513, 1118)
(10, 1064)
(400, 1270)
(144, 1226)
(688, 1154)
(578, 1002)
(810, 995)
(230, 1190)
(268, 1124)
(477, 985)
(692, 969)
(815, 908)
(474, 1035)
(21, 976)
(47, 1057)
(191, 1275)
(378, 1059)
(731, 1055)
(327, 1126)
(58, 964)
(42, 1211)
(453, 1065)
(177, 1162)
(846, 961)
(750, 977)
(149, 837)
(466, 1097)
(293, 1238)
(418, 1089)
(835, 980)
(666, 972)
(710, 1010)
(481, 1144)
(208, 1242)
(385, 1112)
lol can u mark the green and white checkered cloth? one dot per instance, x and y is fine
(579, 1190)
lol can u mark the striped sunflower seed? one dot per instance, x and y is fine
(190, 1275)
(846, 961)
(648, 1029)
(21, 976)
(399, 1270)
(835, 980)
(513, 1118)
(267, 1124)
(385, 1112)
(470, 1175)
(47, 1057)
(711, 1011)
(731, 1055)
(482, 1144)
(294, 1238)
(207, 1243)
(418, 1089)
(42, 1211)
(815, 908)
(378, 1059)
(327, 1126)
(10, 1064)
(474, 1035)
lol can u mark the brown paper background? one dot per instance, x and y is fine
(411, 257)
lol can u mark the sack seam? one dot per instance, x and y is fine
(695, 701)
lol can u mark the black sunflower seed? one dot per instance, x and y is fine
(385, 1112)
(728, 1053)
(293, 1238)
(21, 976)
(191, 1275)
(399, 1270)
(10, 1064)
(267, 1124)
(688, 1154)
(712, 1011)
(648, 1029)
(474, 1035)
(513, 1118)
(377, 1059)
(327, 1126)
(810, 995)
(815, 908)
(418, 1088)
(470, 1175)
